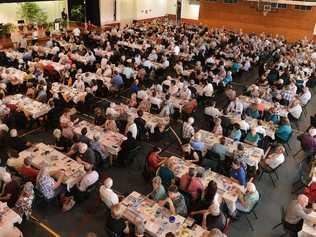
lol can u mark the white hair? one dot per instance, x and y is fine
(6, 177)
(57, 133)
(13, 133)
(108, 183)
(191, 120)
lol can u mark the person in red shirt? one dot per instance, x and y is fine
(27, 171)
(154, 159)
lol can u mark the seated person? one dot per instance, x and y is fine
(196, 143)
(235, 134)
(284, 130)
(46, 184)
(237, 173)
(99, 118)
(241, 155)
(86, 155)
(272, 116)
(191, 184)
(220, 148)
(23, 205)
(83, 136)
(17, 143)
(252, 137)
(91, 177)
(27, 171)
(175, 201)
(296, 213)
(209, 213)
(61, 143)
(217, 129)
(110, 124)
(107, 195)
(274, 159)
(140, 123)
(166, 175)
(127, 145)
(159, 192)
(253, 111)
(247, 200)
(116, 224)
(154, 159)
(10, 189)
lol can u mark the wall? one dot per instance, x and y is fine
(106, 11)
(291, 23)
(9, 11)
(125, 10)
(188, 11)
(150, 9)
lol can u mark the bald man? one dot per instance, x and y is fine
(296, 213)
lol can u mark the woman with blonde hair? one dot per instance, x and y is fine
(110, 124)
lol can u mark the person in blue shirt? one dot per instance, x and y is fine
(228, 78)
(134, 87)
(284, 130)
(253, 111)
(272, 116)
(197, 144)
(220, 149)
(236, 132)
(117, 81)
(235, 67)
(238, 173)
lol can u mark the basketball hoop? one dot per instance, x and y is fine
(266, 9)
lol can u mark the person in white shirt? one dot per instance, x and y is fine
(208, 89)
(212, 110)
(79, 84)
(244, 125)
(295, 109)
(305, 96)
(107, 195)
(132, 127)
(260, 129)
(76, 32)
(90, 178)
(176, 50)
(165, 63)
(274, 159)
(235, 106)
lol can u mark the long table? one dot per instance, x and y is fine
(228, 189)
(30, 107)
(152, 121)
(45, 155)
(110, 141)
(308, 230)
(69, 93)
(8, 219)
(156, 218)
(255, 153)
(269, 127)
(246, 101)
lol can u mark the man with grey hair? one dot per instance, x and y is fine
(296, 213)
(107, 195)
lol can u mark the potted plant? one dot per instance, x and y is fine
(32, 14)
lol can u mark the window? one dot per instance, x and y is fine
(303, 8)
(278, 5)
(230, 1)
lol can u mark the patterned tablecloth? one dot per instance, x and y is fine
(30, 107)
(110, 141)
(68, 92)
(8, 218)
(255, 153)
(44, 155)
(225, 186)
(281, 110)
(152, 120)
(156, 218)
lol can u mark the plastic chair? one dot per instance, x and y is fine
(252, 211)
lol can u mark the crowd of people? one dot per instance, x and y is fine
(170, 71)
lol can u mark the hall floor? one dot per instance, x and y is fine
(91, 215)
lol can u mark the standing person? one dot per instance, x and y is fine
(35, 36)
(296, 213)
